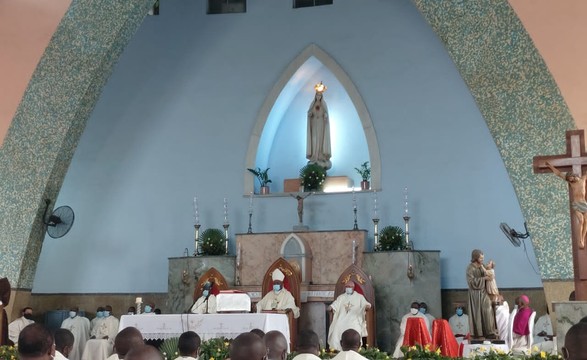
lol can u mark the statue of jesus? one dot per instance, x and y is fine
(300, 200)
(578, 202)
(318, 138)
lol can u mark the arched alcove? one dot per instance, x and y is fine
(278, 138)
(297, 251)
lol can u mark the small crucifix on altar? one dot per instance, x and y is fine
(572, 167)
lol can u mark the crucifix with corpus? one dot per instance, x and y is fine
(572, 167)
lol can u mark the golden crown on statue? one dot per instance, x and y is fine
(320, 87)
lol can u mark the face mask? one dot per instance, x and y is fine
(28, 316)
(148, 309)
(460, 312)
(276, 287)
(413, 311)
(100, 314)
(206, 293)
(130, 313)
(422, 310)
(349, 291)
(72, 314)
(106, 314)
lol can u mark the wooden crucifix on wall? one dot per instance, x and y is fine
(572, 167)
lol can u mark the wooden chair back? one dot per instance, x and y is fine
(216, 278)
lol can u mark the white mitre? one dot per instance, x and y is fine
(277, 275)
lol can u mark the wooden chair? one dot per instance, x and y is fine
(364, 286)
(215, 277)
(5, 291)
(292, 283)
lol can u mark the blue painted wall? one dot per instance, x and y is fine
(175, 118)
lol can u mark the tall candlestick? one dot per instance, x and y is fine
(406, 201)
(225, 211)
(375, 204)
(196, 213)
(251, 203)
(354, 200)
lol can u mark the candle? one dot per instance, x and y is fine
(196, 214)
(375, 204)
(139, 300)
(354, 200)
(251, 203)
(225, 211)
(406, 201)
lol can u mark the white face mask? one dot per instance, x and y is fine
(414, 311)
(130, 313)
(72, 314)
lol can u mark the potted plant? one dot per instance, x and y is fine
(312, 177)
(263, 177)
(365, 172)
(392, 238)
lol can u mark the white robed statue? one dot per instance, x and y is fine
(318, 138)
(349, 313)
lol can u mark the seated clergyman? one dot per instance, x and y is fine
(280, 298)
(206, 304)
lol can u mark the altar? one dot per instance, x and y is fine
(319, 258)
(208, 326)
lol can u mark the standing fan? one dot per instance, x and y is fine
(59, 222)
(513, 235)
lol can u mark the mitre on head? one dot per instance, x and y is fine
(277, 275)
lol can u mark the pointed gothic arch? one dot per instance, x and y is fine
(315, 51)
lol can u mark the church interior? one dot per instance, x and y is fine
(145, 126)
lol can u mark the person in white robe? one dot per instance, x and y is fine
(107, 327)
(414, 312)
(280, 298)
(206, 304)
(308, 346)
(101, 343)
(459, 323)
(95, 321)
(188, 346)
(64, 340)
(80, 328)
(502, 318)
(349, 313)
(543, 333)
(350, 344)
(424, 310)
(15, 327)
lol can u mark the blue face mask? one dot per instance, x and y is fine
(148, 309)
(460, 312)
(100, 314)
(106, 313)
(206, 293)
(423, 310)
(348, 290)
(276, 287)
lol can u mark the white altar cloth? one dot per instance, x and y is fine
(208, 326)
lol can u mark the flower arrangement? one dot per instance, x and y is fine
(8, 352)
(169, 348)
(312, 177)
(364, 171)
(391, 238)
(421, 352)
(213, 242)
(215, 349)
(262, 176)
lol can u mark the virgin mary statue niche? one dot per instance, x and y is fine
(318, 140)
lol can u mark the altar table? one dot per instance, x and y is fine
(208, 326)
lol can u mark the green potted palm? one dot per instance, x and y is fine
(264, 181)
(365, 172)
